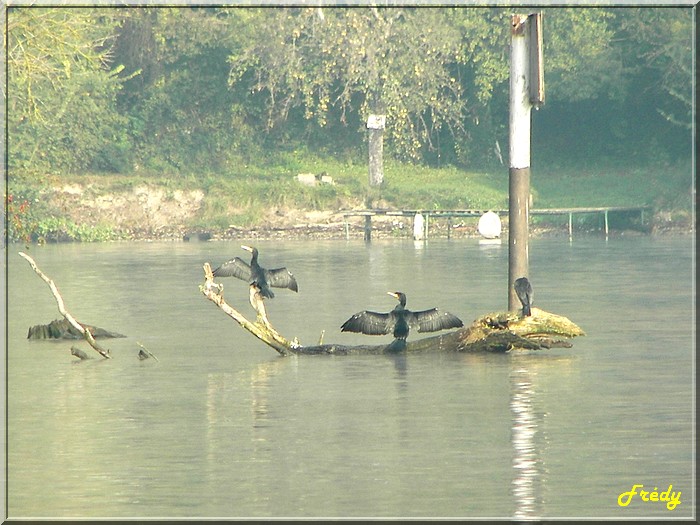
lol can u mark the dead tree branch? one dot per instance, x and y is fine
(262, 329)
(62, 308)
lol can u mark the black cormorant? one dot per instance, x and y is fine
(399, 321)
(523, 290)
(256, 275)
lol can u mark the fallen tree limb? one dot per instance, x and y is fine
(145, 353)
(62, 329)
(62, 308)
(498, 332)
(262, 329)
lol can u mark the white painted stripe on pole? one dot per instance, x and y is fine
(520, 107)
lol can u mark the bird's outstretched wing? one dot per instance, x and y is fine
(369, 323)
(281, 278)
(236, 267)
(433, 320)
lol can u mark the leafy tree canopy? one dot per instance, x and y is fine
(62, 89)
(206, 88)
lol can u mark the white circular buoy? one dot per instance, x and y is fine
(489, 225)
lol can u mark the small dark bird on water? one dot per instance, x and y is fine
(256, 275)
(523, 290)
(399, 321)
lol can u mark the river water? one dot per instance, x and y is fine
(221, 426)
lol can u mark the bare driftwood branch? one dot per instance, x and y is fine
(499, 332)
(262, 329)
(62, 308)
(145, 353)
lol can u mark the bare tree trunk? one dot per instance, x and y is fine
(376, 122)
(376, 157)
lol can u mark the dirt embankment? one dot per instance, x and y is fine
(149, 212)
(141, 211)
(142, 207)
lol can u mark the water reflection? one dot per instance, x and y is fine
(260, 380)
(222, 387)
(527, 462)
(401, 367)
(240, 413)
(419, 244)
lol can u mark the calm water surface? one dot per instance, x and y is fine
(220, 426)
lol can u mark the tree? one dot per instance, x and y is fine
(660, 41)
(204, 88)
(181, 113)
(62, 90)
(581, 61)
(359, 62)
(618, 78)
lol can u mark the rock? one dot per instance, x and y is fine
(309, 179)
(62, 329)
(77, 352)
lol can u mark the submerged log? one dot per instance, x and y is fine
(498, 332)
(62, 329)
(62, 308)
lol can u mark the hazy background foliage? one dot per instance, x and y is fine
(192, 90)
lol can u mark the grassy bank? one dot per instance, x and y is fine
(95, 207)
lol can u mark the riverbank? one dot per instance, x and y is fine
(148, 213)
(105, 207)
(305, 225)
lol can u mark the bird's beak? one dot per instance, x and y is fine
(247, 248)
(393, 294)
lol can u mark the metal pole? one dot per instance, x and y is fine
(519, 172)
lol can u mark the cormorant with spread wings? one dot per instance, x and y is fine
(399, 321)
(256, 275)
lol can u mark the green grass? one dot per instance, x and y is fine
(415, 187)
(666, 188)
